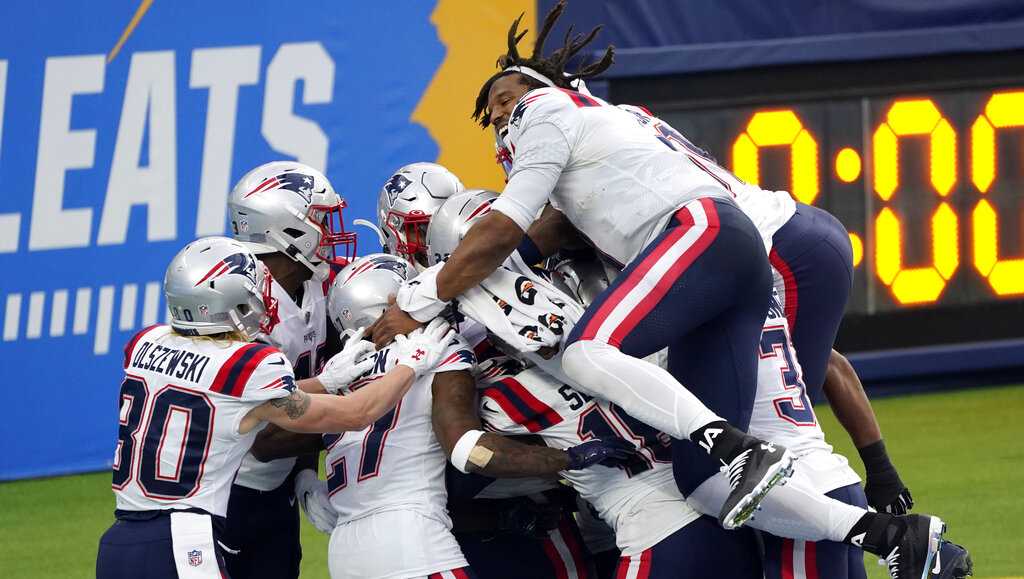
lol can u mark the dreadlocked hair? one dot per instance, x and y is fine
(552, 67)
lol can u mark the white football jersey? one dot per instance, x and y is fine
(301, 335)
(783, 412)
(397, 462)
(769, 210)
(641, 502)
(610, 174)
(181, 403)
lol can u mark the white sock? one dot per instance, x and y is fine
(647, 392)
(794, 511)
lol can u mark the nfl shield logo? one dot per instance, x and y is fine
(195, 558)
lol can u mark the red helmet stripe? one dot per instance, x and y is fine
(214, 272)
(271, 182)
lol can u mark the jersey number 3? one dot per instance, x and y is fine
(167, 461)
(795, 407)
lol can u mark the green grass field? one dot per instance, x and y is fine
(961, 453)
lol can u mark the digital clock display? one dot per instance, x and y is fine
(930, 186)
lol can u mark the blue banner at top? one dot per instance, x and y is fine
(658, 37)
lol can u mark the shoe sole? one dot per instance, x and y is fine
(744, 509)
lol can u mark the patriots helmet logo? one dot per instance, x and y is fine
(394, 187)
(236, 263)
(299, 183)
(517, 113)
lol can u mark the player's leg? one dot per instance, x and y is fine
(558, 555)
(160, 545)
(813, 263)
(132, 549)
(707, 264)
(796, 559)
(262, 532)
(700, 550)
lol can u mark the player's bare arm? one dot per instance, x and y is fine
(849, 402)
(302, 412)
(274, 442)
(552, 231)
(455, 414)
(883, 486)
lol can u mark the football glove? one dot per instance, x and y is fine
(350, 363)
(883, 487)
(612, 452)
(311, 493)
(422, 349)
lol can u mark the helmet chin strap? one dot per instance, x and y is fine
(321, 271)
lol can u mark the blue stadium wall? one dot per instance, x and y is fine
(123, 124)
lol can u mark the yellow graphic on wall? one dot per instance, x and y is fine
(474, 35)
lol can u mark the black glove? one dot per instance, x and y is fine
(885, 491)
(527, 518)
(611, 452)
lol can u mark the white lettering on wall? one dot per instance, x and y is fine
(223, 71)
(10, 223)
(285, 131)
(62, 149)
(149, 99)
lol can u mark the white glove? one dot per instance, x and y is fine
(422, 350)
(311, 493)
(348, 364)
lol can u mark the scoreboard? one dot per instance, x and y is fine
(928, 181)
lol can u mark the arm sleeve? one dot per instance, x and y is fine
(541, 155)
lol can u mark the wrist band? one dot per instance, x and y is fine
(463, 449)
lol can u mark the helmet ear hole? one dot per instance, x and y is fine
(244, 309)
(294, 233)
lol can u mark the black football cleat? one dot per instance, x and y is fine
(922, 553)
(759, 468)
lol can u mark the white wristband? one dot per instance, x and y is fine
(465, 445)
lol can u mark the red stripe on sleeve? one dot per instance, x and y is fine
(238, 384)
(622, 569)
(532, 401)
(510, 409)
(645, 565)
(571, 538)
(222, 375)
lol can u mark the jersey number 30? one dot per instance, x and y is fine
(167, 461)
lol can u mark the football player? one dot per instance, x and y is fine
(819, 518)
(405, 205)
(696, 274)
(659, 535)
(194, 396)
(386, 483)
(289, 215)
(491, 518)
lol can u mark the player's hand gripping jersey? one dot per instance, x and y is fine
(301, 335)
(397, 462)
(641, 502)
(182, 400)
